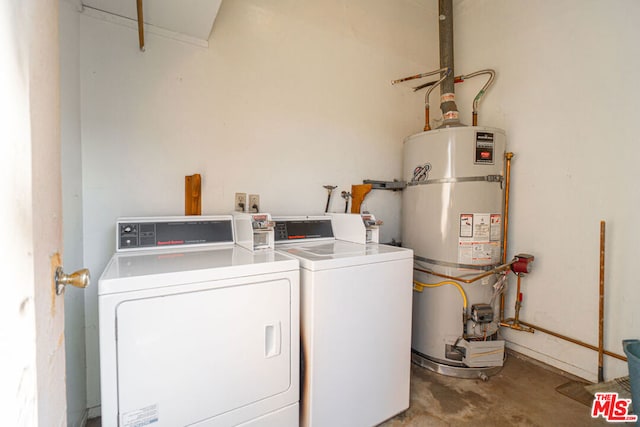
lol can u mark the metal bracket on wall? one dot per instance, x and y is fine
(386, 185)
(488, 178)
(193, 194)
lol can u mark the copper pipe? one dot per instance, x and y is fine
(514, 322)
(140, 25)
(507, 189)
(601, 310)
(476, 100)
(457, 79)
(473, 279)
(516, 319)
(426, 118)
(460, 79)
(505, 220)
(446, 72)
(511, 324)
(518, 324)
(415, 76)
(573, 340)
(419, 76)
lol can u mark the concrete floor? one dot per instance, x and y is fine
(522, 394)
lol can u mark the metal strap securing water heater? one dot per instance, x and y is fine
(488, 178)
(454, 264)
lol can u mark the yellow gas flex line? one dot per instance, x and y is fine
(419, 286)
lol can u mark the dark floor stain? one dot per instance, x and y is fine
(521, 395)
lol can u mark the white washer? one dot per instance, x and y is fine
(355, 324)
(202, 334)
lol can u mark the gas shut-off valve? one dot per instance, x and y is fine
(521, 266)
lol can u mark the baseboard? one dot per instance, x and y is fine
(77, 418)
(559, 366)
(94, 412)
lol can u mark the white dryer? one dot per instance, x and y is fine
(355, 324)
(195, 330)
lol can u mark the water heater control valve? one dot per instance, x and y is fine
(482, 313)
(522, 263)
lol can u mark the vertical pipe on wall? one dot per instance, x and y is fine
(601, 308)
(140, 25)
(505, 220)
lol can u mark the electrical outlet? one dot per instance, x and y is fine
(254, 203)
(241, 202)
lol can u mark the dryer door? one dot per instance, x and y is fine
(190, 357)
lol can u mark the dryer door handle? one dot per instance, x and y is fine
(272, 340)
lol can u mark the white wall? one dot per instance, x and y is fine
(289, 96)
(567, 97)
(72, 210)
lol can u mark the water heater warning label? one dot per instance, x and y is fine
(479, 241)
(466, 225)
(496, 227)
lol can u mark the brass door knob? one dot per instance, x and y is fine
(79, 279)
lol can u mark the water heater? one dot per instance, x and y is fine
(452, 218)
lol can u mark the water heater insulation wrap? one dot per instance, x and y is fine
(452, 219)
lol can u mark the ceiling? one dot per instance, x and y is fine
(190, 17)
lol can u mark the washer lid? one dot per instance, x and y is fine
(339, 254)
(154, 269)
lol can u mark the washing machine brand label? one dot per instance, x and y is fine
(140, 417)
(484, 148)
(170, 242)
(479, 241)
(421, 172)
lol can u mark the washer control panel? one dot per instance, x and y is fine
(163, 232)
(288, 229)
